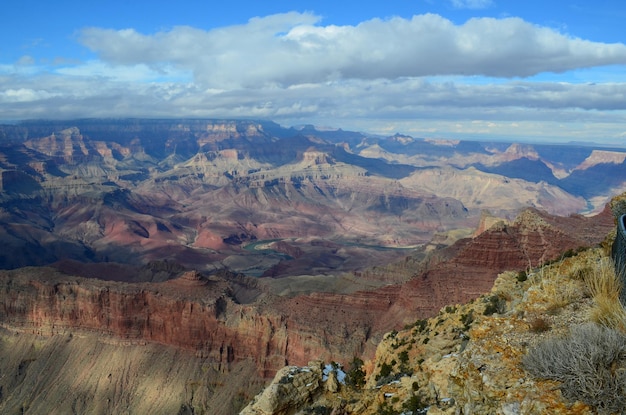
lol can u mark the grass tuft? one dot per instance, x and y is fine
(605, 288)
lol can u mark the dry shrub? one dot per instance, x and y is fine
(539, 325)
(605, 289)
(581, 273)
(590, 363)
(560, 291)
(603, 281)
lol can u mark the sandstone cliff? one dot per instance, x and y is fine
(192, 313)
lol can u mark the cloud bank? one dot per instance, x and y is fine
(419, 73)
(292, 49)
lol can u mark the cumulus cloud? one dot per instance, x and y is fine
(294, 48)
(424, 75)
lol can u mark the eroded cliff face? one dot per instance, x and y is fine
(203, 314)
(233, 325)
(190, 313)
(468, 268)
(91, 373)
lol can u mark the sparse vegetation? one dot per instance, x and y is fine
(385, 370)
(415, 404)
(356, 376)
(450, 309)
(420, 325)
(467, 320)
(318, 410)
(539, 325)
(495, 304)
(605, 288)
(557, 286)
(590, 363)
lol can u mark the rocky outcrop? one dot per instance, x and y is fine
(487, 220)
(292, 387)
(602, 157)
(468, 359)
(198, 314)
(469, 267)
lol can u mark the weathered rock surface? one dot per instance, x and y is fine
(192, 313)
(292, 387)
(92, 373)
(468, 358)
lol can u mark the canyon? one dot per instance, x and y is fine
(239, 247)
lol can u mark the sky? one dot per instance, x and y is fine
(535, 71)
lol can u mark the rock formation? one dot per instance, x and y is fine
(135, 191)
(231, 323)
(467, 359)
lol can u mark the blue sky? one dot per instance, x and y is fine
(549, 71)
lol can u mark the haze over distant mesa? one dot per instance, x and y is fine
(451, 69)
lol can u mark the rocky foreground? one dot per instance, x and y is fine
(551, 340)
(468, 359)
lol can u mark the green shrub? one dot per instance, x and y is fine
(467, 320)
(495, 304)
(415, 405)
(450, 309)
(420, 326)
(385, 370)
(356, 376)
(590, 363)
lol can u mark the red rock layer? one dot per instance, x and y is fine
(191, 313)
(468, 268)
(199, 314)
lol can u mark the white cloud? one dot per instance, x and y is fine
(293, 48)
(11, 96)
(126, 73)
(422, 76)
